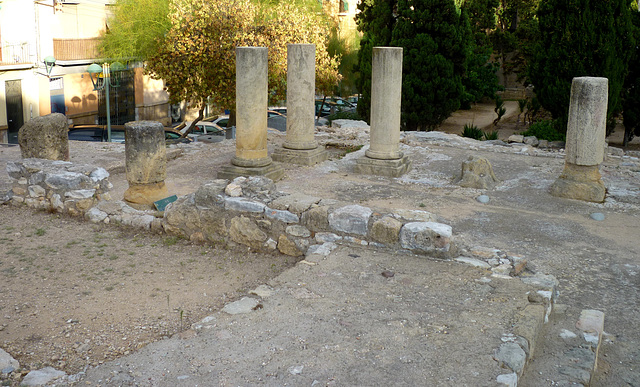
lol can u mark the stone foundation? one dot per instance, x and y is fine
(390, 168)
(299, 156)
(581, 183)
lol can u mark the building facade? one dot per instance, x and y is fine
(30, 32)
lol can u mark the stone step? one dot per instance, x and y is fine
(567, 353)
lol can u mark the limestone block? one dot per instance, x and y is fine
(36, 191)
(296, 203)
(256, 187)
(580, 183)
(352, 219)
(288, 247)
(531, 140)
(324, 237)
(95, 215)
(586, 128)
(213, 223)
(244, 305)
(45, 137)
(41, 377)
(7, 360)
(415, 215)
(427, 238)
(529, 324)
(512, 356)
(517, 138)
(386, 230)
(316, 219)
(282, 216)
(67, 180)
(183, 214)
(210, 194)
(477, 172)
(246, 232)
(298, 231)
(244, 205)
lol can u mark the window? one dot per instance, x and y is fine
(344, 6)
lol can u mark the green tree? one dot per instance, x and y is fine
(631, 92)
(480, 79)
(432, 34)
(580, 38)
(376, 22)
(136, 29)
(195, 56)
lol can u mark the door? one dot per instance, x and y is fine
(15, 117)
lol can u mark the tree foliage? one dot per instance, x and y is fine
(580, 38)
(376, 22)
(432, 33)
(631, 92)
(135, 29)
(195, 53)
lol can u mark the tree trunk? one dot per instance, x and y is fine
(193, 124)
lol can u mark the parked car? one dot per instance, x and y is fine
(333, 105)
(205, 131)
(99, 133)
(280, 109)
(221, 121)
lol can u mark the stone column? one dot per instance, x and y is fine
(383, 156)
(146, 162)
(586, 131)
(300, 146)
(251, 157)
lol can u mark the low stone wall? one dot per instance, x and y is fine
(246, 211)
(250, 212)
(59, 186)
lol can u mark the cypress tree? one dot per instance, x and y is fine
(631, 92)
(580, 38)
(432, 34)
(375, 21)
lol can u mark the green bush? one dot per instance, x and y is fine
(545, 130)
(344, 116)
(472, 131)
(486, 136)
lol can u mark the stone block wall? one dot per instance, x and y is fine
(59, 186)
(250, 212)
(246, 211)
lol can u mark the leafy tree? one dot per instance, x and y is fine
(136, 29)
(195, 55)
(432, 34)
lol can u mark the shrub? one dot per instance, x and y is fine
(343, 116)
(486, 136)
(546, 130)
(472, 131)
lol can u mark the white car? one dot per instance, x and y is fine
(205, 131)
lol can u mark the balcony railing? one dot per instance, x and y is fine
(75, 49)
(16, 53)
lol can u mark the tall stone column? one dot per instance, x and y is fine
(586, 131)
(146, 162)
(251, 157)
(383, 156)
(300, 146)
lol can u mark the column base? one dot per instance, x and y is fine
(273, 171)
(390, 168)
(580, 183)
(146, 194)
(300, 156)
